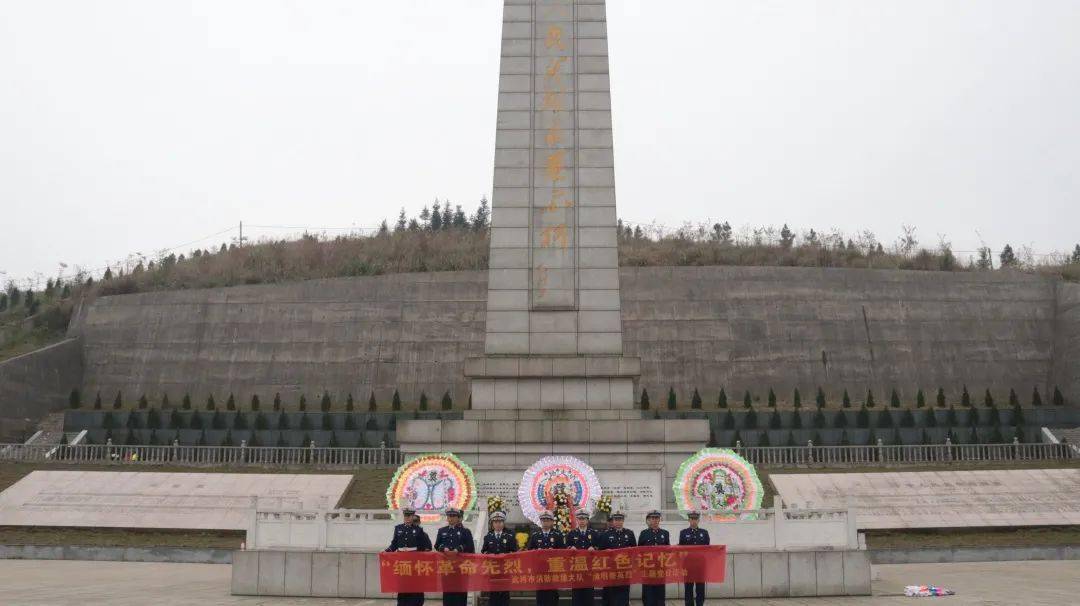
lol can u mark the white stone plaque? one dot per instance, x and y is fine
(942, 499)
(630, 489)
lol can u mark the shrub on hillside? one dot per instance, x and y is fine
(721, 400)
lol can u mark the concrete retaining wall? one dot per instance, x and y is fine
(749, 575)
(693, 327)
(1067, 342)
(36, 384)
(973, 554)
(172, 555)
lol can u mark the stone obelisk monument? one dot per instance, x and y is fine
(554, 379)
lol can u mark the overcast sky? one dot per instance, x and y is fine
(137, 125)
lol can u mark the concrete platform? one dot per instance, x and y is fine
(196, 501)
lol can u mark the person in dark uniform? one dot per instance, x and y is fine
(619, 538)
(694, 593)
(409, 537)
(601, 544)
(454, 538)
(653, 595)
(583, 538)
(546, 538)
(495, 542)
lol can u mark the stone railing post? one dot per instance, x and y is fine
(809, 452)
(948, 448)
(881, 451)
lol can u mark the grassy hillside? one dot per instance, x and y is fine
(33, 318)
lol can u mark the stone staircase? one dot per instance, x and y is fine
(50, 430)
(1072, 436)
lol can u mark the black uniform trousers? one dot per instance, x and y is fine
(653, 595)
(498, 598)
(694, 594)
(620, 595)
(547, 597)
(455, 599)
(410, 599)
(582, 597)
(605, 595)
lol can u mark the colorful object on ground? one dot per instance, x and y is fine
(719, 483)
(432, 483)
(926, 591)
(561, 485)
(433, 572)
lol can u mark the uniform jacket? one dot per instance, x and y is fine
(618, 539)
(582, 539)
(551, 540)
(499, 542)
(694, 536)
(654, 537)
(409, 536)
(455, 538)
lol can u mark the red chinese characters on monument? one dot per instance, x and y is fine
(430, 572)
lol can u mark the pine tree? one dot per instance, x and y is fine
(965, 398)
(847, 400)
(350, 405)
(480, 219)
(277, 401)
(143, 402)
(941, 397)
(988, 399)
(721, 402)
(920, 399)
(447, 402)
(728, 421)
(1018, 414)
(907, 419)
(894, 400)
(820, 400)
(1076, 254)
(327, 422)
(819, 419)
(436, 217)
(764, 442)
(862, 418)
(402, 222)
(324, 402)
(282, 421)
(1036, 399)
(796, 420)
(772, 398)
(844, 440)
(747, 401)
(230, 404)
(645, 399)
(165, 405)
(185, 403)
(1059, 398)
(118, 401)
(423, 401)
(97, 401)
(303, 403)
(447, 216)
(371, 405)
(1008, 257)
(1014, 400)
(930, 419)
(870, 399)
(695, 400)
(254, 402)
(950, 417)
(396, 402)
(671, 398)
(796, 399)
(74, 400)
(775, 422)
(840, 420)
(750, 419)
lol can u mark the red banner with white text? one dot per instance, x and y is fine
(432, 572)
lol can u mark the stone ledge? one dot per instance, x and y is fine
(493, 367)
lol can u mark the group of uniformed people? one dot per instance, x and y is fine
(454, 537)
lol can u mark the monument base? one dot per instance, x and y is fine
(553, 382)
(519, 437)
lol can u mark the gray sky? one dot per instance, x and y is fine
(136, 125)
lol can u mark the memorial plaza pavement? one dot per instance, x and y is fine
(40, 583)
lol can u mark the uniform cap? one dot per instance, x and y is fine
(453, 512)
(583, 514)
(653, 514)
(694, 515)
(498, 515)
(547, 516)
(408, 511)
(618, 515)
